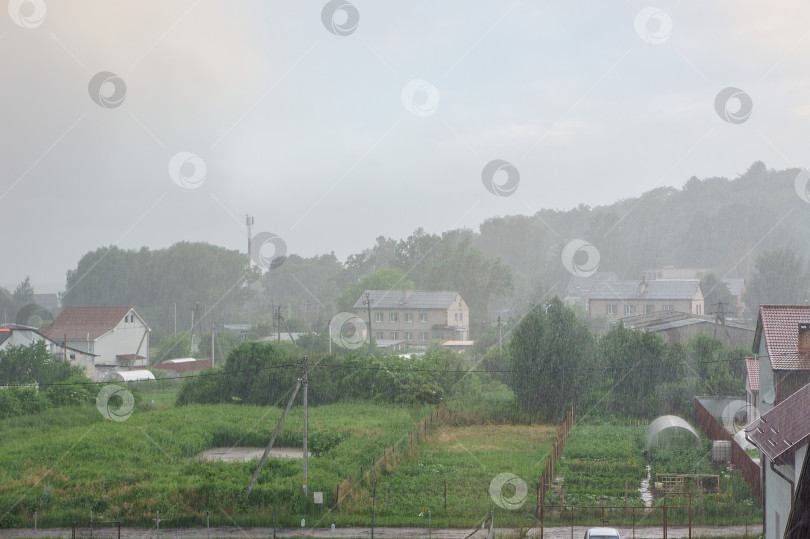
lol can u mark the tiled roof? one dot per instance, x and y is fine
(417, 299)
(78, 322)
(752, 368)
(779, 325)
(783, 429)
(657, 289)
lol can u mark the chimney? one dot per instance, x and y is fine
(804, 337)
(405, 295)
(642, 287)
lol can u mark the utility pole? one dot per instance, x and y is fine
(306, 457)
(367, 302)
(500, 335)
(213, 354)
(249, 223)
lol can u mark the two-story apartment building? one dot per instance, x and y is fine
(416, 317)
(619, 299)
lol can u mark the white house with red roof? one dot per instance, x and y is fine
(18, 335)
(117, 336)
(782, 345)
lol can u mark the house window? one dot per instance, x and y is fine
(611, 308)
(409, 317)
(392, 317)
(668, 307)
(423, 317)
(460, 317)
(379, 335)
(408, 335)
(423, 336)
(697, 309)
(649, 309)
(392, 335)
(380, 317)
(629, 309)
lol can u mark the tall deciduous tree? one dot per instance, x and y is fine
(553, 355)
(779, 278)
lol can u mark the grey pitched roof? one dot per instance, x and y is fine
(399, 299)
(734, 286)
(578, 282)
(658, 289)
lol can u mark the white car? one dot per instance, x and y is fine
(602, 533)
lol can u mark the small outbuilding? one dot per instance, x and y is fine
(130, 376)
(671, 431)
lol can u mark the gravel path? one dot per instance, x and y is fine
(386, 533)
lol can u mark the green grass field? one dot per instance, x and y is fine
(466, 459)
(128, 470)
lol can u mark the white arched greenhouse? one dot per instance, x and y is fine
(671, 431)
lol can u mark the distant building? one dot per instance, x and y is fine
(672, 272)
(415, 317)
(579, 288)
(16, 335)
(175, 367)
(736, 288)
(615, 300)
(117, 336)
(677, 327)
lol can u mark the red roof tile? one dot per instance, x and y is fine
(752, 367)
(78, 322)
(779, 324)
(783, 429)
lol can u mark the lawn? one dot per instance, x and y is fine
(67, 462)
(466, 460)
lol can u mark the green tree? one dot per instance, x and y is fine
(779, 278)
(24, 293)
(553, 356)
(715, 292)
(636, 362)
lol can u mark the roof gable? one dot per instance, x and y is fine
(779, 325)
(77, 323)
(752, 368)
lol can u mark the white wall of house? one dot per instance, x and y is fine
(124, 339)
(778, 494)
(75, 357)
(767, 381)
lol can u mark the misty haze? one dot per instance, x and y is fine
(338, 268)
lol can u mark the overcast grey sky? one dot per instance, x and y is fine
(332, 133)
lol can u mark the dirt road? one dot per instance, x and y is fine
(386, 533)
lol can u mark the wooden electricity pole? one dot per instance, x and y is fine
(367, 303)
(306, 456)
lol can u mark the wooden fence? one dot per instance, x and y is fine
(715, 431)
(547, 477)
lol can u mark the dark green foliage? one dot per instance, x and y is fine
(265, 373)
(553, 360)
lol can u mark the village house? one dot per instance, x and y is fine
(782, 344)
(117, 336)
(618, 299)
(17, 335)
(781, 435)
(414, 318)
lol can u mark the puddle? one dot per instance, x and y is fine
(245, 454)
(644, 490)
